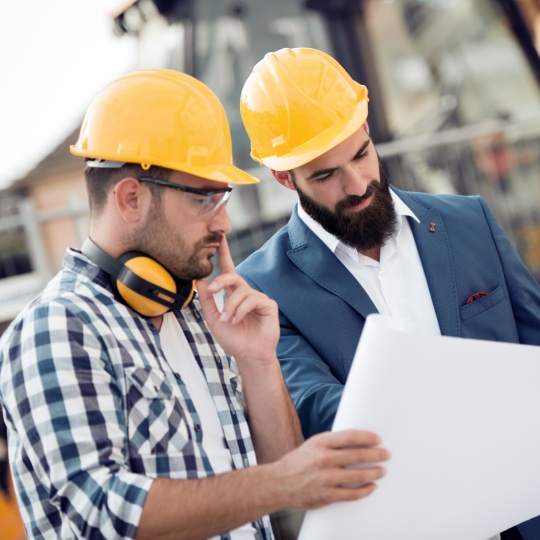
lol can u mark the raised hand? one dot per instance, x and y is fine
(248, 325)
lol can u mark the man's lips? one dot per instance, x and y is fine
(211, 247)
(360, 206)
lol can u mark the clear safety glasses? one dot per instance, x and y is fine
(207, 203)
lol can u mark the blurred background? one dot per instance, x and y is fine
(454, 91)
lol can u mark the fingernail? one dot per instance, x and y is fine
(223, 316)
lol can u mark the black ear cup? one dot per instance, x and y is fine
(141, 282)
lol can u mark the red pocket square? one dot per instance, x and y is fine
(476, 296)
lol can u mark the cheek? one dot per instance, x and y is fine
(327, 195)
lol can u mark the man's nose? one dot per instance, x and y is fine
(220, 221)
(354, 180)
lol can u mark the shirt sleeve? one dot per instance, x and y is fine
(65, 407)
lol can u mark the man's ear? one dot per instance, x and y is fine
(284, 178)
(131, 199)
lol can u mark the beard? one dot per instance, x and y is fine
(365, 229)
(184, 263)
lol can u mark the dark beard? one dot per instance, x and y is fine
(193, 268)
(363, 230)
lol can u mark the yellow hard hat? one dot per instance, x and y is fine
(160, 117)
(298, 104)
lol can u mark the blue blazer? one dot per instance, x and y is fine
(323, 308)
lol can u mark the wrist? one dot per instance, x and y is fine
(275, 495)
(259, 364)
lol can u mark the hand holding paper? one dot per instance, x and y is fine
(461, 418)
(317, 472)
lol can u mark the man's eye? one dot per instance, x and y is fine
(198, 199)
(323, 178)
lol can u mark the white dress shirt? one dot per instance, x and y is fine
(397, 284)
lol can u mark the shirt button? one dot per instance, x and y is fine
(382, 274)
(197, 427)
(178, 376)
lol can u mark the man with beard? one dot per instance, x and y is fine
(356, 246)
(133, 408)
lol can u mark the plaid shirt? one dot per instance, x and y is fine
(95, 413)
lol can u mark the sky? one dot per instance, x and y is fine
(55, 55)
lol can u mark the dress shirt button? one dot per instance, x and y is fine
(382, 274)
(197, 427)
(177, 375)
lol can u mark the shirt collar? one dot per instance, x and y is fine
(402, 210)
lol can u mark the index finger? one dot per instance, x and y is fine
(226, 264)
(349, 438)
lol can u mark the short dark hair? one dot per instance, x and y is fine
(100, 181)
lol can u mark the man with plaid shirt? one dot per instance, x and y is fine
(128, 413)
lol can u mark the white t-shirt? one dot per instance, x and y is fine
(182, 361)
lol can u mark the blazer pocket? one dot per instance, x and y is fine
(489, 301)
(156, 423)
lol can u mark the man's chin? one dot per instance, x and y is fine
(205, 269)
(202, 271)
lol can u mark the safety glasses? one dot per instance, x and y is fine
(206, 203)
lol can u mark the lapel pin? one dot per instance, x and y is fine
(432, 226)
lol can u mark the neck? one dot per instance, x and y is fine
(373, 253)
(157, 322)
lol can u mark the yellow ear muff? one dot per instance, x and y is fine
(141, 282)
(151, 271)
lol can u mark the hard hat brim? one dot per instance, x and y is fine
(227, 174)
(319, 145)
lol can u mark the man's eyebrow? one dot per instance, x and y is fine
(361, 150)
(322, 172)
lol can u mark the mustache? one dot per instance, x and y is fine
(353, 200)
(212, 238)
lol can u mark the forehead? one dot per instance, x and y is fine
(338, 156)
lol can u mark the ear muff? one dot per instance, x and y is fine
(141, 282)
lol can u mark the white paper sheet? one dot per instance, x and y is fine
(461, 418)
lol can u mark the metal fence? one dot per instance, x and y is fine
(499, 160)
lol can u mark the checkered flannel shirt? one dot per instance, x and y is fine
(95, 413)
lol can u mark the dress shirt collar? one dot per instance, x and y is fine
(333, 243)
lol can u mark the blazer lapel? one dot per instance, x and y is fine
(314, 259)
(434, 250)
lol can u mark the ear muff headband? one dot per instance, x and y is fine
(141, 282)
